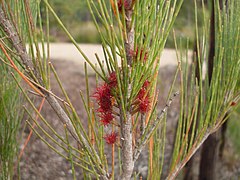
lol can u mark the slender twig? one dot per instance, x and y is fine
(194, 148)
(16, 41)
(19, 72)
(153, 127)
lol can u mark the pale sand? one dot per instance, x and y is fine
(68, 52)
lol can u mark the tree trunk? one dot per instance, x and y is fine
(209, 157)
(188, 171)
(223, 138)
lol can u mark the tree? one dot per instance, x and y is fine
(134, 37)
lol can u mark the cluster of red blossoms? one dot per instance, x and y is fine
(111, 138)
(104, 99)
(143, 98)
(125, 4)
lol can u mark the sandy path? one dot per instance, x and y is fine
(68, 52)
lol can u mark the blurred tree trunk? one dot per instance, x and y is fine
(223, 138)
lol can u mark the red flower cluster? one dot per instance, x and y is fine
(111, 138)
(135, 54)
(112, 80)
(106, 118)
(144, 98)
(124, 3)
(104, 99)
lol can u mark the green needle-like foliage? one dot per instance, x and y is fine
(10, 119)
(133, 35)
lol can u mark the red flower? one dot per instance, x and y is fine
(106, 118)
(124, 3)
(111, 138)
(127, 5)
(146, 84)
(112, 80)
(102, 91)
(105, 104)
(144, 105)
(143, 90)
(141, 93)
(143, 98)
(103, 96)
(104, 99)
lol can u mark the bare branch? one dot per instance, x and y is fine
(153, 127)
(173, 174)
(16, 41)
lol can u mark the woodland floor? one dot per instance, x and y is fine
(41, 163)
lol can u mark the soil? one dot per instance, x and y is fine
(41, 163)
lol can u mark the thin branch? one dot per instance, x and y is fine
(153, 127)
(193, 150)
(31, 131)
(16, 41)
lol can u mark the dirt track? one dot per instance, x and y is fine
(68, 52)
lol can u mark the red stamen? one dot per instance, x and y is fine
(112, 80)
(144, 105)
(126, 5)
(102, 91)
(141, 93)
(106, 118)
(143, 98)
(146, 84)
(111, 138)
